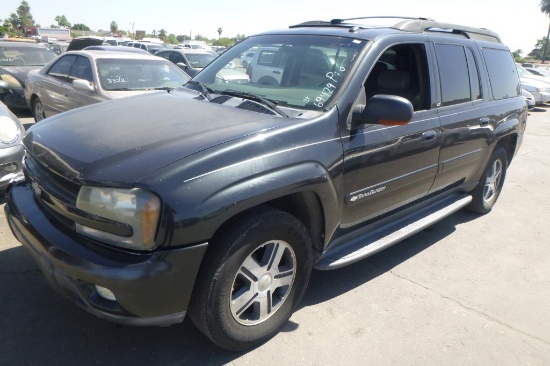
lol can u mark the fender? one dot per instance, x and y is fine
(239, 195)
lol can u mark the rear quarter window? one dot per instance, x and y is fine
(503, 75)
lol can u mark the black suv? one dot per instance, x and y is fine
(217, 199)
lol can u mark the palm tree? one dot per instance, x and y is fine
(220, 30)
(545, 8)
(162, 34)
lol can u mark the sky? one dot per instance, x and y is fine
(519, 23)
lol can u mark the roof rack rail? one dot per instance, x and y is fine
(340, 21)
(413, 24)
(428, 25)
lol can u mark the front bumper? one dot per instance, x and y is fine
(151, 289)
(11, 162)
(14, 98)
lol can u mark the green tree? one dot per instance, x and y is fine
(114, 27)
(545, 8)
(182, 37)
(20, 20)
(162, 34)
(62, 21)
(220, 30)
(536, 53)
(172, 39)
(81, 27)
(154, 32)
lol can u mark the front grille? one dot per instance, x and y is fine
(56, 194)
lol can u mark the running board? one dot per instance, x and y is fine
(392, 233)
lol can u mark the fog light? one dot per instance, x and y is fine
(105, 293)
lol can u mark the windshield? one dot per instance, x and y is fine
(130, 74)
(199, 60)
(25, 56)
(296, 71)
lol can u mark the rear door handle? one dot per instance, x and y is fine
(429, 136)
(276, 72)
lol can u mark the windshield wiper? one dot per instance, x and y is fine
(205, 91)
(119, 89)
(164, 88)
(271, 104)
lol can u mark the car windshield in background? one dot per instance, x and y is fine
(127, 74)
(294, 71)
(198, 60)
(25, 56)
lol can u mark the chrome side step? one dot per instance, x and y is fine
(392, 233)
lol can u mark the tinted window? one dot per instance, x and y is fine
(82, 69)
(503, 74)
(401, 70)
(62, 68)
(474, 75)
(453, 74)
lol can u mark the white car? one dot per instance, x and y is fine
(529, 99)
(538, 89)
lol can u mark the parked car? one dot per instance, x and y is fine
(79, 78)
(528, 75)
(538, 72)
(150, 47)
(193, 61)
(189, 60)
(58, 48)
(16, 60)
(529, 99)
(247, 56)
(539, 89)
(11, 149)
(216, 200)
(116, 49)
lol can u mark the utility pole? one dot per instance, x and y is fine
(133, 30)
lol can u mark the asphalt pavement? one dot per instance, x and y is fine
(470, 290)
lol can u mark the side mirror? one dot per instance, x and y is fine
(390, 110)
(182, 65)
(83, 85)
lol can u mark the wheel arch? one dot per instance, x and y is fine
(509, 143)
(304, 191)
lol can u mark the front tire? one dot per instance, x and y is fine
(38, 110)
(486, 193)
(253, 277)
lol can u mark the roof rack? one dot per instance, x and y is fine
(411, 24)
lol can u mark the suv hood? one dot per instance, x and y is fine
(119, 142)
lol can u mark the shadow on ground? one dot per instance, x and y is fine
(38, 326)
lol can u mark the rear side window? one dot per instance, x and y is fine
(503, 74)
(453, 74)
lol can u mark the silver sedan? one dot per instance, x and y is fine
(80, 78)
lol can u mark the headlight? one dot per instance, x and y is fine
(13, 83)
(9, 130)
(133, 207)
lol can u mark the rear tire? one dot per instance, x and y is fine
(486, 193)
(252, 278)
(38, 110)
